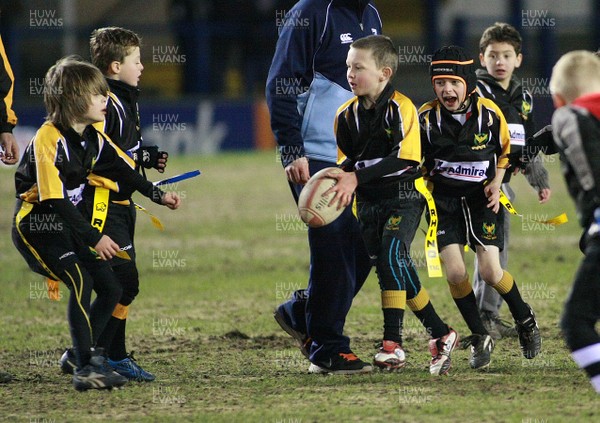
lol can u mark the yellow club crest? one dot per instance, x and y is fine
(489, 230)
(480, 141)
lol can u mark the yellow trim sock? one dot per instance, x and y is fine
(120, 312)
(393, 299)
(461, 289)
(505, 283)
(419, 302)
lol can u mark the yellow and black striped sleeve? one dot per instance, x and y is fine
(46, 145)
(8, 118)
(410, 145)
(114, 165)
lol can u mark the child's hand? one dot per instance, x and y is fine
(544, 195)
(9, 149)
(161, 162)
(492, 192)
(171, 200)
(344, 189)
(107, 248)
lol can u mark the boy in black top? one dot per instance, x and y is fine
(378, 138)
(49, 231)
(116, 52)
(500, 54)
(465, 142)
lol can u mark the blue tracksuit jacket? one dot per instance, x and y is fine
(306, 83)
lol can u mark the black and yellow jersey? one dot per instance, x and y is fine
(462, 157)
(382, 144)
(57, 164)
(122, 121)
(122, 124)
(8, 119)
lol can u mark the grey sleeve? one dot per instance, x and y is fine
(569, 140)
(536, 174)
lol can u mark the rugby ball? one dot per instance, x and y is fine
(313, 207)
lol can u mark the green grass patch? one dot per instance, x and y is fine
(203, 320)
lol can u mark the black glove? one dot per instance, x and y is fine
(149, 157)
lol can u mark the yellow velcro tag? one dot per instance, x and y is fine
(53, 289)
(100, 181)
(155, 220)
(507, 204)
(558, 220)
(121, 254)
(100, 208)
(434, 266)
(99, 213)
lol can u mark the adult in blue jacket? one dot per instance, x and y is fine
(306, 85)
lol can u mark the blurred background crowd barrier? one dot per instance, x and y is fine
(206, 62)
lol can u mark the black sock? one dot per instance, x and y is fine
(518, 308)
(117, 350)
(468, 308)
(106, 337)
(434, 325)
(392, 324)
